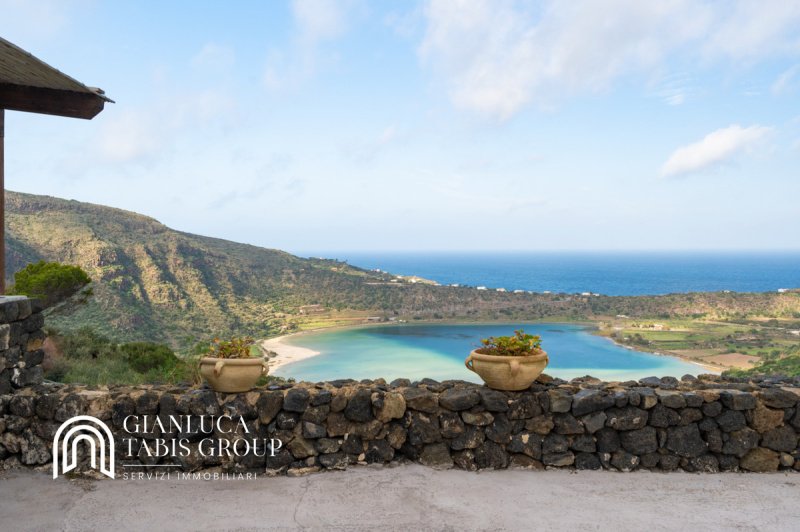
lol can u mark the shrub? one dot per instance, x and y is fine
(520, 344)
(49, 281)
(144, 356)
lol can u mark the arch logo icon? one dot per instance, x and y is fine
(97, 437)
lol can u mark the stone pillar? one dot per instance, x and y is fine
(21, 339)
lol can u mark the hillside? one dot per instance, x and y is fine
(151, 282)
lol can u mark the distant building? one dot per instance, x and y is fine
(501, 289)
(586, 293)
(547, 292)
(519, 291)
(782, 290)
(481, 288)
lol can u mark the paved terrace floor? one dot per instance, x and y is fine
(408, 497)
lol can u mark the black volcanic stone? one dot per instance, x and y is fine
(778, 398)
(490, 455)
(296, 400)
(421, 399)
(359, 407)
(459, 399)
(423, 428)
(353, 445)
(268, 405)
(780, 439)
(686, 441)
(471, 438)
(731, 420)
(584, 443)
(737, 400)
(714, 440)
(493, 400)
(555, 443)
(378, 451)
(587, 461)
(313, 431)
(712, 409)
(628, 418)
(322, 397)
(332, 461)
(624, 461)
(287, 421)
(451, 424)
(281, 459)
(525, 407)
(21, 405)
(567, 424)
(587, 401)
(120, 409)
(499, 430)
(526, 443)
(607, 440)
(641, 441)
(663, 417)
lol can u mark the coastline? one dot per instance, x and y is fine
(286, 353)
(717, 370)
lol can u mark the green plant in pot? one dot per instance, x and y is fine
(230, 367)
(508, 362)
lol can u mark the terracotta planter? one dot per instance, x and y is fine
(507, 373)
(232, 375)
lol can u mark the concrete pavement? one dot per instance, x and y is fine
(408, 497)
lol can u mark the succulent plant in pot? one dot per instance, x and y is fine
(229, 366)
(508, 362)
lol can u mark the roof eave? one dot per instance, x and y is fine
(72, 104)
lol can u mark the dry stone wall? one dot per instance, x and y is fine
(704, 425)
(21, 339)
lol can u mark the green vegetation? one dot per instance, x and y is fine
(87, 357)
(154, 284)
(748, 346)
(49, 281)
(233, 348)
(773, 363)
(520, 344)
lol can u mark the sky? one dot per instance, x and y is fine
(327, 125)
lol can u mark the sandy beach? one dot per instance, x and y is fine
(286, 353)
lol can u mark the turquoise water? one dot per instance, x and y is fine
(438, 352)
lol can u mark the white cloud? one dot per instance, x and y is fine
(496, 57)
(23, 20)
(319, 20)
(316, 22)
(715, 148)
(128, 136)
(786, 82)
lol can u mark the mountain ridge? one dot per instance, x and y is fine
(151, 282)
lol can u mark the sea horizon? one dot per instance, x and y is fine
(614, 273)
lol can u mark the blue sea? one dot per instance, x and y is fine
(438, 351)
(621, 273)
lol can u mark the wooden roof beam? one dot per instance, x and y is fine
(50, 101)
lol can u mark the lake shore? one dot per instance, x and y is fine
(710, 367)
(287, 353)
